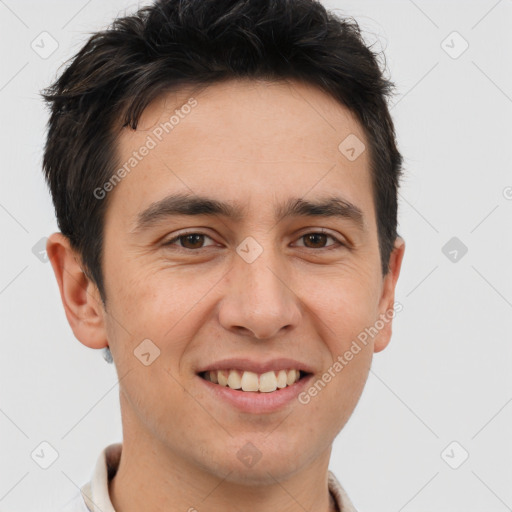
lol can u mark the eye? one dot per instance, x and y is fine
(194, 240)
(319, 238)
(188, 241)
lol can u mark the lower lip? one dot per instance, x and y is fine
(257, 402)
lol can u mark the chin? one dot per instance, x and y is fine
(261, 474)
(252, 466)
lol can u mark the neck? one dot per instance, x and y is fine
(154, 478)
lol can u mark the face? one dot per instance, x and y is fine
(272, 286)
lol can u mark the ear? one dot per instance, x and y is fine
(80, 296)
(387, 300)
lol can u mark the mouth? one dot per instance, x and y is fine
(256, 386)
(252, 382)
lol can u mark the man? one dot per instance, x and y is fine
(225, 181)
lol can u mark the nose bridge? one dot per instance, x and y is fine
(259, 298)
(263, 282)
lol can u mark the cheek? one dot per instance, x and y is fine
(343, 307)
(346, 302)
(333, 395)
(165, 306)
(154, 300)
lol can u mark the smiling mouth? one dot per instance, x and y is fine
(247, 381)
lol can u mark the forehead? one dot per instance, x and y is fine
(242, 139)
(249, 114)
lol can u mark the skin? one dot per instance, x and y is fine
(260, 144)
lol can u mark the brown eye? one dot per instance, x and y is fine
(195, 240)
(318, 240)
(188, 241)
(315, 239)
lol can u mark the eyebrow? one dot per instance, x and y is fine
(193, 205)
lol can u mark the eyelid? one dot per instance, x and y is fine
(176, 237)
(340, 241)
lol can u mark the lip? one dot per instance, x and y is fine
(256, 402)
(244, 364)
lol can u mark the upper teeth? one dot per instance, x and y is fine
(250, 381)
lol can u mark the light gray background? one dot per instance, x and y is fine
(446, 375)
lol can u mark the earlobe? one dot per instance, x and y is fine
(80, 296)
(387, 301)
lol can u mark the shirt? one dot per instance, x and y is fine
(94, 495)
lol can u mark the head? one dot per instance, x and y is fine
(259, 134)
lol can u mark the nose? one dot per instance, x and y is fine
(259, 300)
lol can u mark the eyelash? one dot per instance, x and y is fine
(338, 244)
